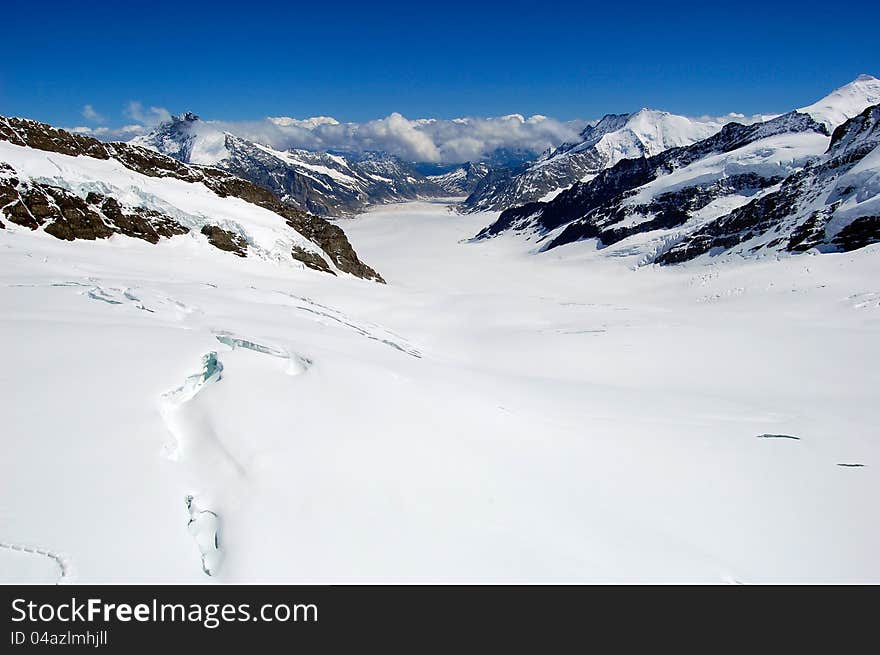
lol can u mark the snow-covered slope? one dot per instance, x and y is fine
(846, 102)
(509, 418)
(615, 137)
(76, 188)
(320, 182)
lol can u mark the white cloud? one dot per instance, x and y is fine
(735, 117)
(308, 123)
(91, 131)
(90, 114)
(152, 116)
(423, 139)
(131, 129)
(398, 135)
(123, 133)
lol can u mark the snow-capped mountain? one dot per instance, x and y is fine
(833, 204)
(846, 102)
(462, 180)
(74, 187)
(616, 136)
(784, 184)
(323, 183)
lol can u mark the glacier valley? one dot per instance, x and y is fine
(491, 414)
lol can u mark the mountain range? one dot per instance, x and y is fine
(662, 187)
(604, 143)
(805, 179)
(323, 183)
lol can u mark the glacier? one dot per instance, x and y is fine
(570, 416)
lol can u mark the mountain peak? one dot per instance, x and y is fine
(647, 111)
(187, 117)
(846, 102)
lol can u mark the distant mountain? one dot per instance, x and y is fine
(784, 184)
(74, 187)
(615, 137)
(323, 183)
(462, 180)
(846, 102)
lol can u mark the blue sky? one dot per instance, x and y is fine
(357, 61)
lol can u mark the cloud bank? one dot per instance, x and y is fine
(424, 139)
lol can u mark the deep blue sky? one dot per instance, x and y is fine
(357, 61)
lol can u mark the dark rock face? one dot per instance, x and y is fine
(225, 240)
(21, 132)
(84, 219)
(577, 202)
(667, 210)
(492, 191)
(311, 259)
(66, 216)
(335, 244)
(860, 233)
(137, 222)
(69, 215)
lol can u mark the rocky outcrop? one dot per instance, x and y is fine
(862, 232)
(225, 240)
(67, 216)
(23, 132)
(311, 259)
(33, 205)
(136, 222)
